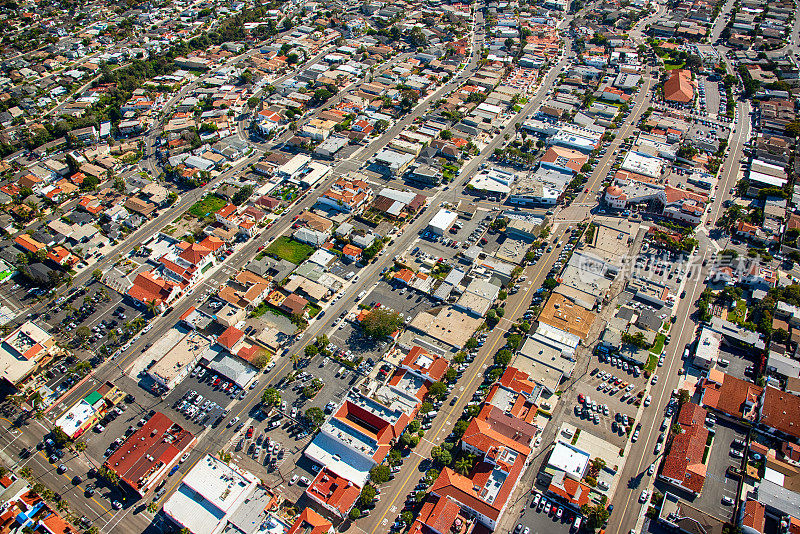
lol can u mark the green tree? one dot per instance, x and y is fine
(97, 274)
(367, 496)
(380, 323)
(503, 358)
(271, 397)
(242, 195)
(459, 428)
(464, 465)
(315, 416)
(438, 390)
(379, 474)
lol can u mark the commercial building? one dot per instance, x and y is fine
(357, 437)
(85, 413)
(393, 162)
(175, 355)
(707, 349)
(24, 351)
(209, 495)
(442, 221)
(148, 454)
(562, 313)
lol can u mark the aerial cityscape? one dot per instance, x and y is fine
(424, 267)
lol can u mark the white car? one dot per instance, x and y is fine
(654, 380)
(648, 400)
(293, 479)
(643, 496)
(651, 469)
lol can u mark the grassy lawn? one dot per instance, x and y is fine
(288, 249)
(652, 362)
(673, 66)
(738, 315)
(210, 204)
(313, 309)
(658, 346)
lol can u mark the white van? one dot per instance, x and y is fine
(723, 362)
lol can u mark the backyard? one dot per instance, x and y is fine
(286, 248)
(207, 205)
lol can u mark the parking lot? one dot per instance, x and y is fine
(213, 397)
(619, 393)
(466, 232)
(539, 521)
(741, 362)
(91, 318)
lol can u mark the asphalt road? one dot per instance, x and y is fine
(633, 477)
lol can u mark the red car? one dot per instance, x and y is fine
(216, 382)
(581, 398)
(250, 432)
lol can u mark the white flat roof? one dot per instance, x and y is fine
(569, 459)
(208, 494)
(444, 219)
(75, 417)
(339, 458)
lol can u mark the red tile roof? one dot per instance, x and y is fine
(147, 288)
(683, 466)
(439, 514)
(336, 493)
(572, 491)
(28, 243)
(421, 362)
(230, 337)
(679, 88)
(194, 253)
(730, 395)
(149, 452)
(310, 522)
(780, 411)
(753, 516)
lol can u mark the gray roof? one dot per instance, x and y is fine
(782, 365)
(778, 498)
(229, 366)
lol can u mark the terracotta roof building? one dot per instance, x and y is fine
(148, 287)
(310, 522)
(335, 493)
(683, 466)
(679, 87)
(149, 453)
(779, 413)
(425, 365)
(730, 396)
(441, 515)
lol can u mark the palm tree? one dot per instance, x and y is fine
(464, 465)
(295, 357)
(152, 307)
